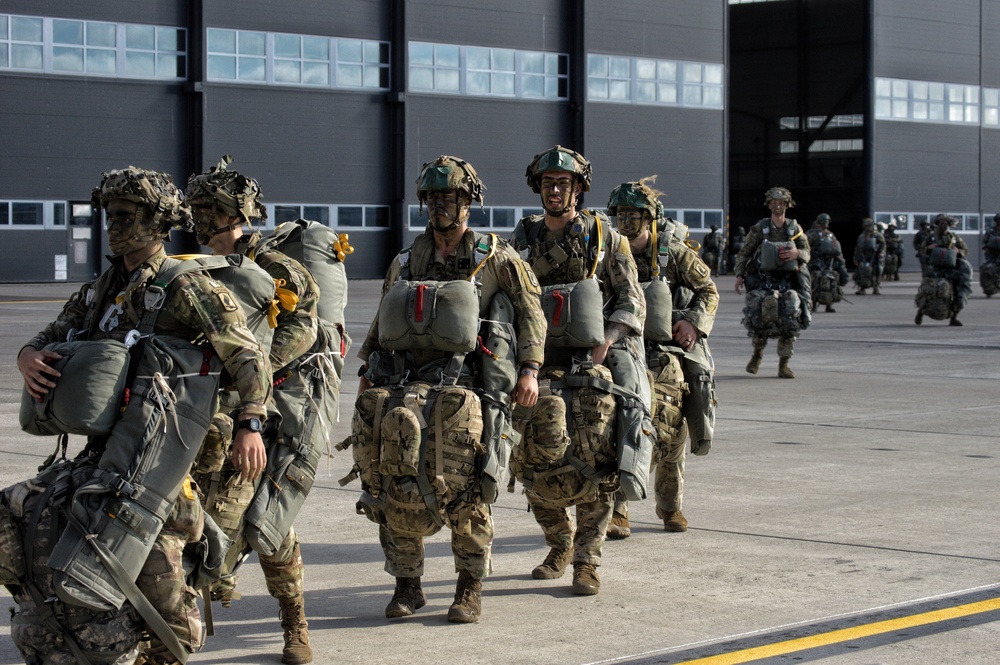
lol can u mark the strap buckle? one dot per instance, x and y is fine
(155, 296)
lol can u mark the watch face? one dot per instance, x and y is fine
(252, 424)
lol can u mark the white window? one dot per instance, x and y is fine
(21, 42)
(487, 72)
(628, 80)
(335, 216)
(153, 51)
(934, 101)
(991, 107)
(301, 60)
(84, 47)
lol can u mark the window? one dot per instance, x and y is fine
(816, 121)
(621, 79)
(910, 221)
(28, 213)
(346, 215)
(499, 219)
(929, 101)
(487, 72)
(696, 219)
(92, 48)
(302, 60)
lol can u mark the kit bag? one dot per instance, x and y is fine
(574, 313)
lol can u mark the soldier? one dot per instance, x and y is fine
(567, 247)
(869, 258)
(773, 264)
(141, 207)
(893, 252)
(223, 202)
(399, 496)
(918, 242)
(676, 339)
(739, 239)
(944, 252)
(989, 267)
(712, 246)
(826, 264)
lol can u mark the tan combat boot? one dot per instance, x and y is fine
(407, 598)
(554, 565)
(876, 291)
(585, 579)
(675, 522)
(754, 364)
(784, 371)
(293, 621)
(619, 528)
(468, 600)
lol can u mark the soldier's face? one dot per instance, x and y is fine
(777, 207)
(446, 208)
(631, 221)
(212, 221)
(120, 223)
(559, 191)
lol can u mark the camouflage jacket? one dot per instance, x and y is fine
(817, 258)
(947, 239)
(567, 256)
(298, 296)
(505, 271)
(790, 231)
(863, 253)
(684, 268)
(197, 308)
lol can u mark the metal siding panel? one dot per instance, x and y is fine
(37, 265)
(667, 29)
(302, 145)
(518, 24)
(157, 12)
(367, 19)
(927, 40)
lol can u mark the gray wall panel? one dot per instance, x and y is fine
(670, 29)
(519, 24)
(930, 41)
(923, 167)
(36, 265)
(301, 145)
(343, 18)
(158, 12)
(684, 147)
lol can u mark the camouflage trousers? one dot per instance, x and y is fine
(471, 543)
(669, 464)
(785, 345)
(586, 536)
(163, 580)
(99, 635)
(228, 499)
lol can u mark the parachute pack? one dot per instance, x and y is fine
(935, 297)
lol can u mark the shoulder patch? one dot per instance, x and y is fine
(225, 299)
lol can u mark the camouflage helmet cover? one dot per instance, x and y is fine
(822, 220)
(447, 172)
(779, 194)
(636, 195)
(153, 189)
(557, 158)
(946, 218)
(868, 222)
(236, 193)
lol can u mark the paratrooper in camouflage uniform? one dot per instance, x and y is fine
(682, 372)
(827, 266)
(222, 203)
(561, 247)
(869, 259)
(989, 267)
(771, 288)
(449, 251)
(958, 272)
(141, 207)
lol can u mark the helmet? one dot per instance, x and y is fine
(447, 172)
(867, 223)
(638, 195)
(557, 159)
(156, 195)
(780, 194)
(714, 227)
(822, 220)
(946, 218)
(233, 192)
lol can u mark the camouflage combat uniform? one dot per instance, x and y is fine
(960, 276)
(747, 265)
(471, 522)
(697, 298)
(989, 267)
(869, 251)
(196, 308)
(294, 335)
(564, 257)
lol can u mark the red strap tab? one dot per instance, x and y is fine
(418, 314)
(206, 358)
(560, 301)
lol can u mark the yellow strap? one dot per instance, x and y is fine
(792, 239)
(493, 250)
(272, 314)
(600, 245)
(655, 253)
(188, 257)
(289, 299)
(342, 247)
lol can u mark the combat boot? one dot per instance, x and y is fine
(619, 528)
(784, 371)
(954, 321)
(674, 522)
(585, 579)
(468, 600)
(859, 292)
(293, 622)
(554, 565)
(830, 309)
(919, 318)
(754, 364)
(407, 598)
(876, 291)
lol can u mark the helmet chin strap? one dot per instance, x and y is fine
(204, 237)
(134, 239)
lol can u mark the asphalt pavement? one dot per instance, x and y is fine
(860, 497)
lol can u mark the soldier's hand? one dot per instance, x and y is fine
(701, 447)
(249, 455)
(526, 390)
(685, 334)
(363, 384)
(739, 284)
(39, 376)
(788, 253)
(600, 352)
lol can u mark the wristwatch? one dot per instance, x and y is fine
(252, 424)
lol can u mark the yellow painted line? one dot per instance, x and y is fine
(847, 634)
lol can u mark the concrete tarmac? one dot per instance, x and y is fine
(860, 497)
